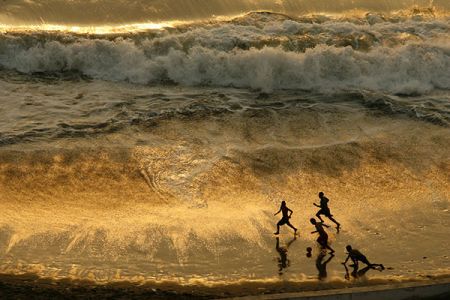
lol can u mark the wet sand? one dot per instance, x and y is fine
(30, 286)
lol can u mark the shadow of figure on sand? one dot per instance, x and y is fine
(283, 261)
(322, 265)
(356, 273)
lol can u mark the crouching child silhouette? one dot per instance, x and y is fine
(357, 256)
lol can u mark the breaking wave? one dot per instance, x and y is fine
(160, 155)
(261, 51)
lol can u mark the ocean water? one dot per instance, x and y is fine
(154, 142)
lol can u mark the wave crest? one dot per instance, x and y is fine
(264, 51)
(409, 69)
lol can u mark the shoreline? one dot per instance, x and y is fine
(439, 290)
(29, 286)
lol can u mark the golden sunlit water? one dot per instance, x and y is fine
(107, 29)
(150, 143)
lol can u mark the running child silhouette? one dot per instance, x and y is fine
(287, 213)
(323, 236)
(325, 210)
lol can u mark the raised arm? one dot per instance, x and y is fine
(316, 205)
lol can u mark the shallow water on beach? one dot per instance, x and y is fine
(187, 192)
(162, 155)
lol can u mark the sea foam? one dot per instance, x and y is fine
(408, 57)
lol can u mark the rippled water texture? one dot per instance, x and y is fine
(161, 154)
